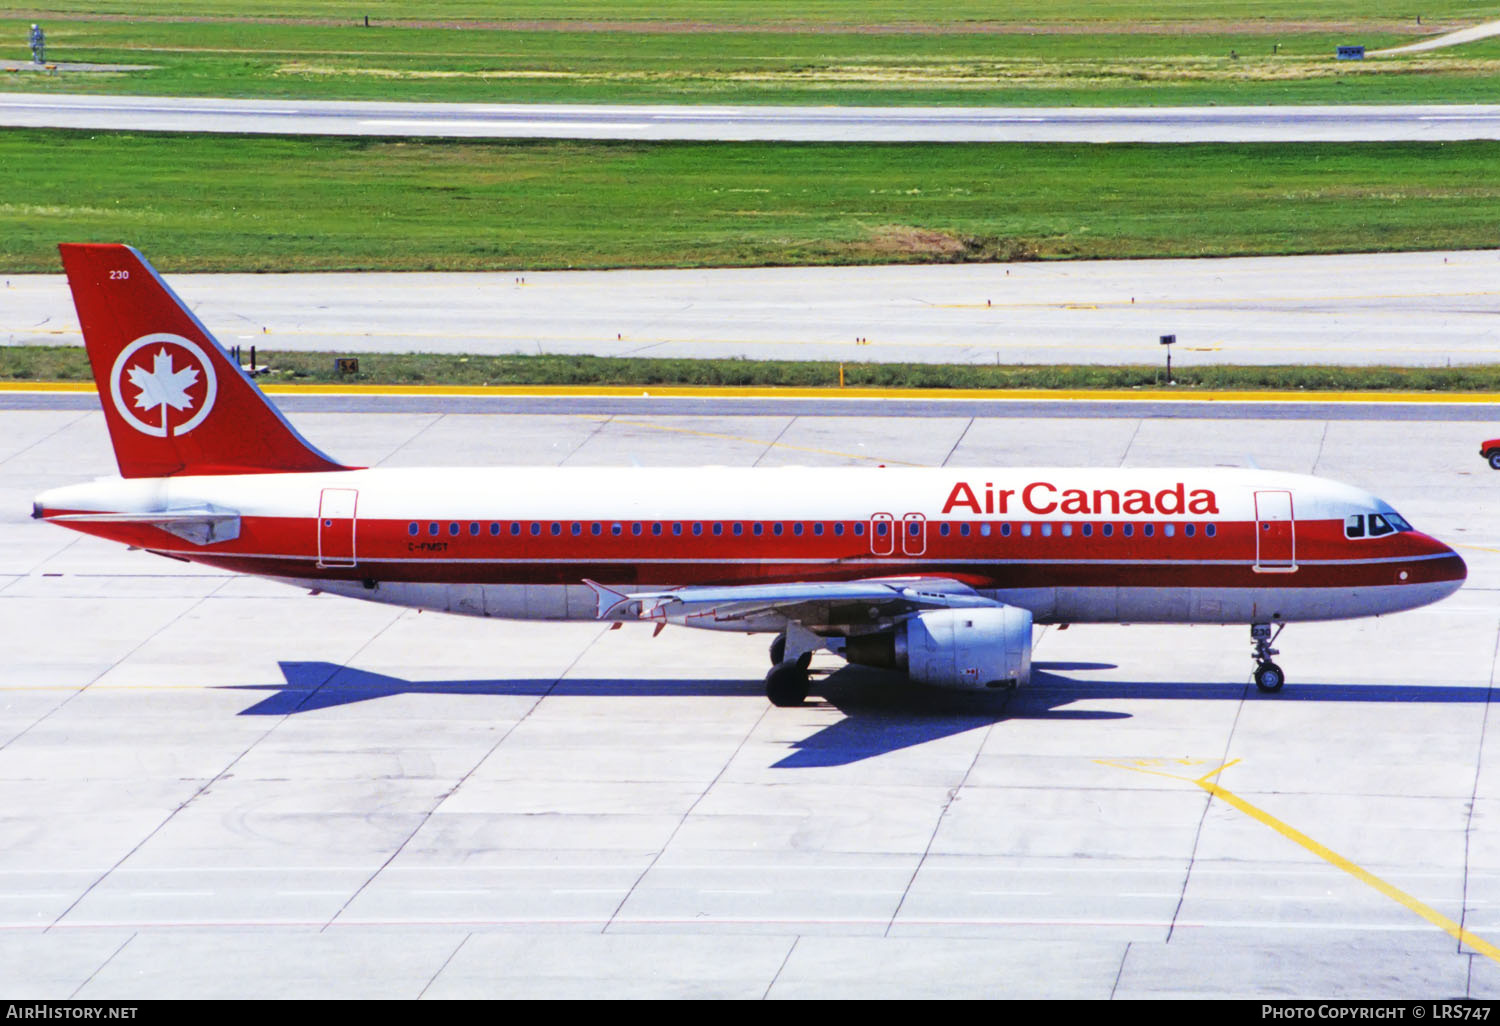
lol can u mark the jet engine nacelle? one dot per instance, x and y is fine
(954, 648)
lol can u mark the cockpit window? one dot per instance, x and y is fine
(1374, 525)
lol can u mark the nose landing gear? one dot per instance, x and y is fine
(1268, 676)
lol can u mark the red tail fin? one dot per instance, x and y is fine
(175, 402)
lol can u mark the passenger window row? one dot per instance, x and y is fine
(817, 528)
(1107, 530)
(656, 528)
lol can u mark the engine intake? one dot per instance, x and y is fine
(953, 648)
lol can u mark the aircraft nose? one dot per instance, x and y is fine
(1449, 568)
(1460, 568)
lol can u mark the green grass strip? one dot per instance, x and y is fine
(231, 203)
(794, 12)
(68, 363)
(1225, 62)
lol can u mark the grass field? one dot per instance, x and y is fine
(1071, 53)
(68, 363)
(796, 12)
(262, 203)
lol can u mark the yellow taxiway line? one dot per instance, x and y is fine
(1161, 767)
(777, 392)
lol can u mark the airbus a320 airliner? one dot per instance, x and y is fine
(941, 573)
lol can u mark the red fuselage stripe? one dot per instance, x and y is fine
(1023, 557)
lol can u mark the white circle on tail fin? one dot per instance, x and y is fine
(172, 380)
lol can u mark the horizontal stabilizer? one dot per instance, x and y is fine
(201, 527)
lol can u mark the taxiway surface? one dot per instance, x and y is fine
(1350, 123)
(1414, 309)
(222, 787)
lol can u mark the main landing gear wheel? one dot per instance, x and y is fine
(1268, 677)
(786, 684)
(778, 650)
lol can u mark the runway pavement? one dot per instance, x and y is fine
(729, 402)
(219, 787)
(1412, 309)
(1349, 123)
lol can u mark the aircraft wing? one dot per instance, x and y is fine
(813, 604)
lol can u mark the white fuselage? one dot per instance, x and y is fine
(1068, 544)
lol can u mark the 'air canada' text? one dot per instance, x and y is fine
(1042, 498)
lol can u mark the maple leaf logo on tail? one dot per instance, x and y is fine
(170, 374)
(162, 386)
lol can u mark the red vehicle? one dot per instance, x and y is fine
(1491, 451)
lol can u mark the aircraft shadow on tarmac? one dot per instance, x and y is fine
(883, 712)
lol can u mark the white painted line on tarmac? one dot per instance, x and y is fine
(490, 125)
